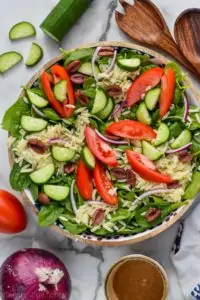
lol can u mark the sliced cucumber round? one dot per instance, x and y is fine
(33, 124)
(56, 192)
(152, 98)
(9, 60)
(43, 175)
(129, 64)
(35, 55)
(86, 68)
(106, 112)
(150, 151)
(88, 158)
(100, 101)
(21, 30)
(183, 139)
(36, 99)
(62, 154)
(162, 134)
(143, 115)
(60, 90)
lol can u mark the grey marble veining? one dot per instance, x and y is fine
(87, 265)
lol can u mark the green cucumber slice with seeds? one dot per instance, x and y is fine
(129, 64)
(152, 98)
(56, 192)
(86, 68)
(21, 30)
(9, 60)
(143, 115)
(62, 154)
(106, 112)
(150, 151)
(43, 175)
(88, 158)
(60, 90)
(162, 134)
(183, 139)
(35, 55)
(36, 99)
(33, 124)
(100, 102)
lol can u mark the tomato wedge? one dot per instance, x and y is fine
(168, 83)
(131, 130)
(143, 167)
(104, 185)
(146, 80)
(84, 181)
(100, 149)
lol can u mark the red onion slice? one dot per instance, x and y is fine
(100, 203)
(110, 140)
(72, 199)
(186, 108)
(112, 63)
(56, 140)
(117, 110)
(149, 193)
(179, 149)
(39, 112)
(93, 63)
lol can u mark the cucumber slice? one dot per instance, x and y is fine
(88, 158)
(35, 55)
(62, 154)
(86, 68)
(143, 115)
(60, 90)
(106, 112)
(43, 175)
(150, 151)
(33, 124)
(36, 99)
(183, 139)
(129, 64)
(9, 60)
(152, 98)
(162, 134)
(100, 101)
(21, 30)
(56, 192)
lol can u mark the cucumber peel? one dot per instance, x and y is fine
(21, 30)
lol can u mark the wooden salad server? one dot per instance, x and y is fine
(187, 35)
(144, 23)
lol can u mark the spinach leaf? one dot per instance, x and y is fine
(126, 196)
(49, 214)
(19, 181)
(73, 227)
(121, 214)
(51, 114)
(175, 130)
(146, 68)
(177, 70)
(158, 202)
(102, 232)
(177, 95)
(130, 230)
(89, 87)
(34, 190)
(78, 55)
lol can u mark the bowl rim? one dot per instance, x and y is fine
(132, 239)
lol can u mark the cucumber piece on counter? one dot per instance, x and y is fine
(162, 134)
(150, 151)
(183, 139)
(143, 115)
(100, 101)
(43, 175)
(9, 60)
(21, 30)
(63, 17)
(86, 68)
(36, 99)
(62, 154)
(60, 90)
(193, 187)
(88, 158)
(33, 124)
(106, 112)
(129, 64)
(152, 98)
(35, 55)
(56, 192)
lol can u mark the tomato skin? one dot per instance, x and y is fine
(84, 181)
(12, 213)
(137, 163)
(100, 149)
(168, 83)
(131, 130)
(103, 184)
(149, 78)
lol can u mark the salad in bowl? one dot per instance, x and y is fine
(106, 143)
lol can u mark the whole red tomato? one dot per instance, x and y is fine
(12, 214)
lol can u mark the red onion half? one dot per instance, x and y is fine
(108, 140)
(34, 274)
(179, 149)
(56, 140)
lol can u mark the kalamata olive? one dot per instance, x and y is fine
(81, 97)
(69, 168)
(37, 146)
(130, 176)
(78, 78)
(119, 173)
(114, 90)
(186, 158)
(173, 185)
(98, 216)
(152, 214)
(106, 51)
(43, 198)
(73, 66)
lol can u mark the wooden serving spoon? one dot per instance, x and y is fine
(187, 35)
(144, 23)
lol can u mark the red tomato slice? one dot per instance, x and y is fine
(104, 185)
(84, 181)
(145, 81)
(100, 149)
(168, 83)
(143, 167)
(131, 130)
(12, 214)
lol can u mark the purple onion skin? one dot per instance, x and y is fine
(18, 280)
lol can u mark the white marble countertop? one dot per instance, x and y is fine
(87, 265)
